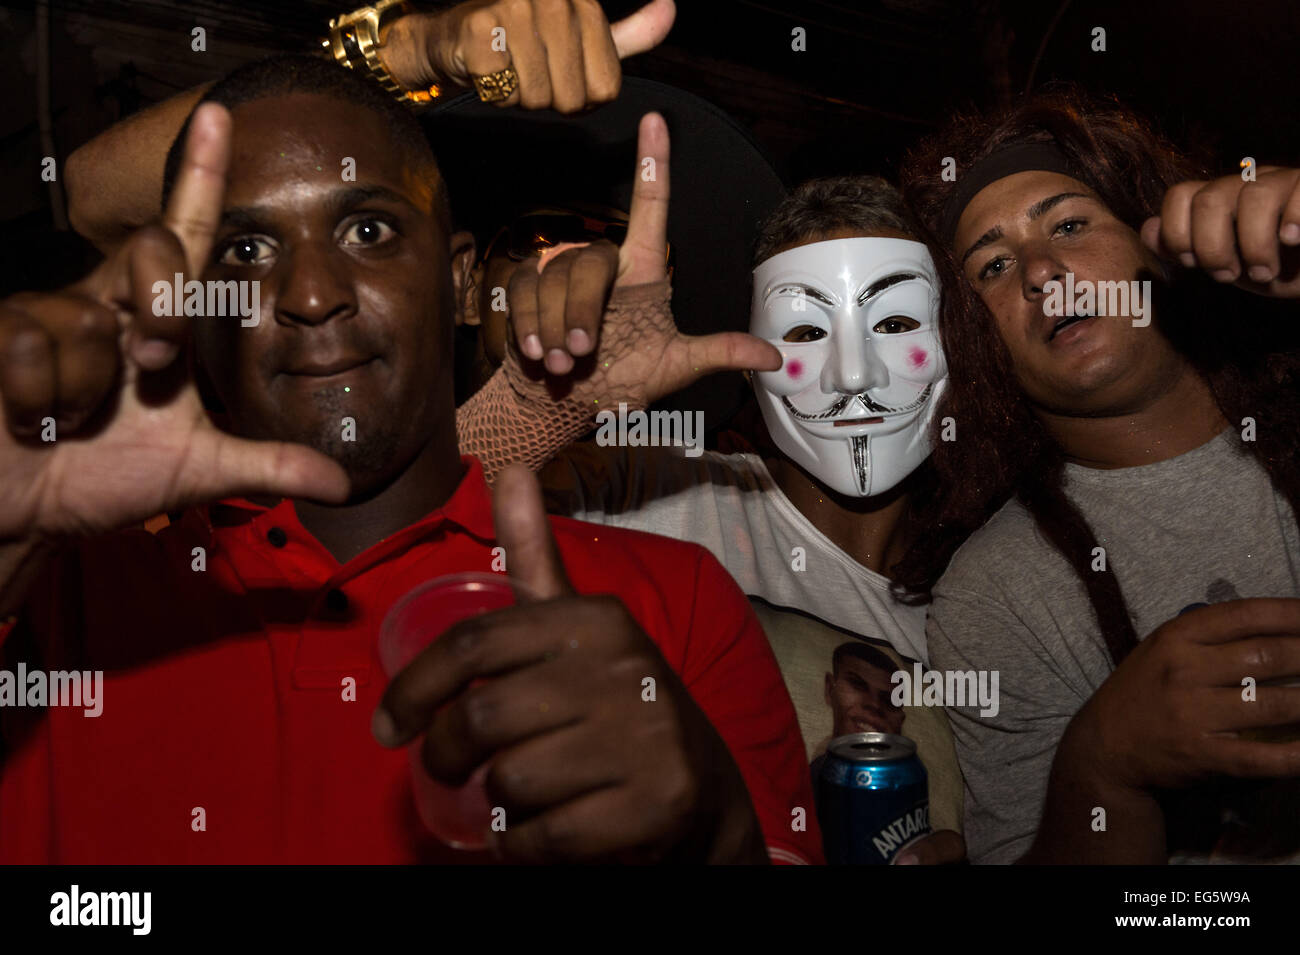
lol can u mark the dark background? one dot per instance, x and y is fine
(876, 74)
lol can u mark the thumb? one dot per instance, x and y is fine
(643, 30)
(226, 466)
(525, 532)
(1150, 234)
(729, 351)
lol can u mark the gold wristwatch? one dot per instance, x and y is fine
(354, 43)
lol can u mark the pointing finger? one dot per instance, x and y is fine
(194, 209)
(643, 256)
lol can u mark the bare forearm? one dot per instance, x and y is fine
(1088, 820)
(115, 180)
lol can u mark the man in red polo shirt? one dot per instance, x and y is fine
(241, 698)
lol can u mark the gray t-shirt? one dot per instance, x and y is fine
(1202, 527)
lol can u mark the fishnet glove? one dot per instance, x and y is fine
(520, 417)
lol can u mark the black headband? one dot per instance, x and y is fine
(1042, 155)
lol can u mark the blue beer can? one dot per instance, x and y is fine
(873, 798)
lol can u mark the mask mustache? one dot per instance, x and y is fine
(837, 409)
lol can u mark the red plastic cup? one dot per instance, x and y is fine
(458, 817)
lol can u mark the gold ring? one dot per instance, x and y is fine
(494, 87)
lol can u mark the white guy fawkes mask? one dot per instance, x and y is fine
(856, 321)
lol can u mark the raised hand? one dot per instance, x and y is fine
(559, 306)
(584, 767)
(93, 367)
(1242, 232)
(565, 52)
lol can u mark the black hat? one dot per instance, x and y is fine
(498, 161)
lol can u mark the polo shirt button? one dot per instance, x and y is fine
(277, 537)
(336, 601)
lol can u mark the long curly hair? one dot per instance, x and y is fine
(1003, 451)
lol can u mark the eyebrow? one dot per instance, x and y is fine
(342, 201)
(1043, 206)
(889, 281)
(874, 289)
(806, 289)
(338, 203)
(1039, 208)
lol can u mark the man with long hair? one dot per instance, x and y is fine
(1138, 473)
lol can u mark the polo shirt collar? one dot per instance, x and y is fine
(469, 507)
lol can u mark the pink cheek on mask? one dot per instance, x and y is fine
(794, 368)
(918, 358)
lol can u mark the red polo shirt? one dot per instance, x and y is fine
(224, 688)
